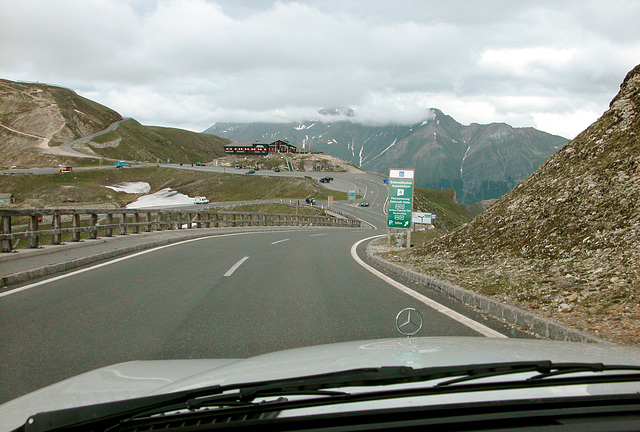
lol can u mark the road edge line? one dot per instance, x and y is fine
(472, 324)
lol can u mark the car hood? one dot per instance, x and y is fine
(143, 378)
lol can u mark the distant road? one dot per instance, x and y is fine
(68, 147)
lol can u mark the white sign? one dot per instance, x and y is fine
(421, 218)
(396, 173)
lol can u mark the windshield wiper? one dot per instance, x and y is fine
(241, 397)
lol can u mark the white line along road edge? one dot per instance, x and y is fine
(480, 328)
(126, 257)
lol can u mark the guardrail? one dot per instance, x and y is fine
(124, 221)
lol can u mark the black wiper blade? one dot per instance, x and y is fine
(76, 418)
(242, 396)
(545, 371)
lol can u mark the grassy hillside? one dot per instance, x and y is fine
(88, 188)
(36, 119)
(133, 141)
(441, 202)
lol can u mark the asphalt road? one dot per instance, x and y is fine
(228, 296)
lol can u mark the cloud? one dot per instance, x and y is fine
(190, 63)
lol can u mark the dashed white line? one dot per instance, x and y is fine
(235, 267)
(317, 235)
(280, 241)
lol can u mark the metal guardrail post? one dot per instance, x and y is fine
(6, 229)
(123, 224)
(136, 223)
(75, 223)
(159, 218)
(108, 230)
(93, 223)
(148, 223)
(56, 224)
(33, 228)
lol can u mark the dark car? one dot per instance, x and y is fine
(276, 169)
(326, 179)
(364, 204)
(251, 171)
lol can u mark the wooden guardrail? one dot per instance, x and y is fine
(26, 223)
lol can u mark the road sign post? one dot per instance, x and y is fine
(400, 201)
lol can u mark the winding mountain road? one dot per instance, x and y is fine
(227, 296)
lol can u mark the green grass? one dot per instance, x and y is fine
(159, 144)
(88, 187)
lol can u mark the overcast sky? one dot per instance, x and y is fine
(554, 65)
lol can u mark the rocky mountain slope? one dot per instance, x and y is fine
(479, 161)
(565, 242)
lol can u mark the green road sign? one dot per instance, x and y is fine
(352, 195)
(400, 198)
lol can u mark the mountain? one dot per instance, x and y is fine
(36, 119)
(33, 116)
(479, 161)
(566, 241)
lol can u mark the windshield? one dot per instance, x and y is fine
(202, 193)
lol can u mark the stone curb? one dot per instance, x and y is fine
(27, 275)
(510, 314)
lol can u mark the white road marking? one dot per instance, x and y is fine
(280, 241)
(64, 276)
(235, 267)
(474, 325)
(317, 235)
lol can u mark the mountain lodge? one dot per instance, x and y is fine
(260, 148)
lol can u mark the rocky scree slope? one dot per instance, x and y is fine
(565, 243)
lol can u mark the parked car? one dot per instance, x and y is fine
(364, 204)
(200, 200)
(276, 169)
(122, 164)
(251, 171)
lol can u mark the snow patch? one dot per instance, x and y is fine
(463, 159)
(131, 187)
(303, 127)
(383, 151)
(163, 198)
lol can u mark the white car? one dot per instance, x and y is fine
(452, 383)
(200, 200)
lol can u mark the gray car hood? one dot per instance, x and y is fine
(143, 378)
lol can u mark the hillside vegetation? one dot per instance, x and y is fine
(87, 188)
(565, 243)
(133, 141)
